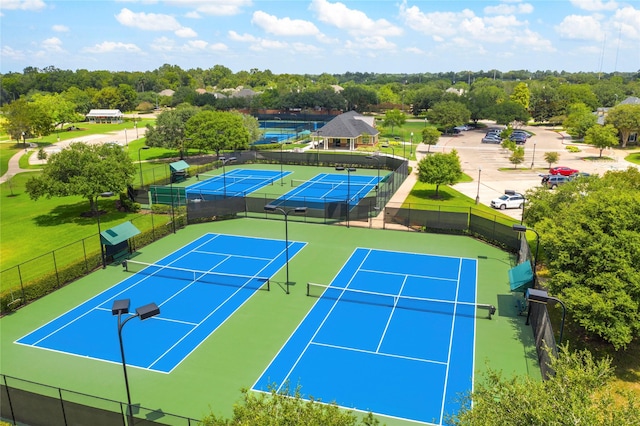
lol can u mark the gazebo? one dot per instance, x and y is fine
(111, 116)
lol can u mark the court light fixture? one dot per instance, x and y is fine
(272, 208)
(121, 307)
(541, 296)
(348, 200)
(225, 160)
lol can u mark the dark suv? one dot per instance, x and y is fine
(553, 181)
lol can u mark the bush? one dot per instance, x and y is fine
(572, 148)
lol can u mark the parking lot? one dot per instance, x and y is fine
(489, 164)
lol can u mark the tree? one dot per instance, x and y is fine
(580, 392)
(579, 120)
(26, 119)
(359, 98)
(589, 232)
(521, 95)
(602, 137)
(393, 118)
(169, 131)
(280, 408)
(509, 112)
(517, 156)
(551, 157)
(626, 119)
(430, 136)
(84, 170)
(481, 100)
(216, 130)
(59, 109)
(440, 169)
(449, 114)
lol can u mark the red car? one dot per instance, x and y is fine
(564, 171)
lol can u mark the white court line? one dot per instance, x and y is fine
(407, 275)
(388, 355)
(211, 313)
(395, 303)
(286, 378)
(453, 326)
(230, 255)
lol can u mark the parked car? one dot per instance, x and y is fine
(553, 181)
(518, 138)
(579, 174)
(510, 200)
(492, 139)
(564, 171)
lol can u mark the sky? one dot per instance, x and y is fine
(321, 36)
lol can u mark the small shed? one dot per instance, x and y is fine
(116, 241)
(178, 171)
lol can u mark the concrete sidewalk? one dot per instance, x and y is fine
(122, 138)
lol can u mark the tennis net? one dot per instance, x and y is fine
(192, 275)
(354, 187)
(424, 304)
(247, 180)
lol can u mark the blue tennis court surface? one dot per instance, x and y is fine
(192, 304)
(235, 183)
(393, 334)
(328, 188)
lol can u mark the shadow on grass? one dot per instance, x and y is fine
(430, 195)
(77, 214)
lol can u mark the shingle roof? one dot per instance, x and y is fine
(631, 100)
(347, 125)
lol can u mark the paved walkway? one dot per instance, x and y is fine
(122, 137)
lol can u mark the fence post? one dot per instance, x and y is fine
(6, 386)
(55, 267)
(64, 414)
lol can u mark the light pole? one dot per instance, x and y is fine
(533, 157)
(371, 157)
(119, 308)
(348, 203)
(541, 296)
(285, 212)
(173, 214)
(225, 160)
(281, 172)
(411, 145)
(521, 228)
(135, 126)
(478, 193)
(318, 147)
(140, 163)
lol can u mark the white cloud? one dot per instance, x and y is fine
(595, 5)
(627, 20)
(22, 5)
(509, 9)
(414, 50)
(371, 43)
(241, 37)
(213, 7)
(201, 46)
(53, 44)
(354, 21)
(284, 26)
(305, 48)
(147, 21)
(264, 44)
(185, 32)
(60, 28)
(112, 46)
(9, 53)
(579, 27)
(163, 44)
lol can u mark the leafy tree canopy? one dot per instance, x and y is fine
(580, 393)
(394, 118)
(602, 137)
(280, 408)
(217, 130)
(84, 170)
(449, 114)
(590, 233)
(625, 118)
(440, 169)
(579, 120)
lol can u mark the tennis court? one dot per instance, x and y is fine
(197, 288)
(393, 334)
(235, 183)
(328, 188)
